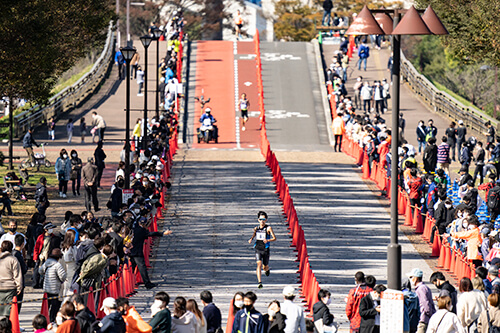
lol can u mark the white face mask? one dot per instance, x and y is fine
(238, 304)
(79, 226)
(271, 313)
(74, 155)
(50, 231)
(156, 307)
(465, 225)
(459, 214)
(327, 301)
(59, 320)
(447, 206)
(65, 156)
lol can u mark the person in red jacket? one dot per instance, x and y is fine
(415, 185)
(353, 300)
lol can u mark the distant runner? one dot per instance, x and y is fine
(238, 22)
(263, 235)
(244, 104)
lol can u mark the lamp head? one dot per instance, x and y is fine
(128, 52)
(146, 41)
(364, 24)
(157, 33)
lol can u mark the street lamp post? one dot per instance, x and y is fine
(127, 52)
(411, 24)
(146, 41)
(157, 33)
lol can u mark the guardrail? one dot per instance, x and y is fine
(442, 102)
(70, 97)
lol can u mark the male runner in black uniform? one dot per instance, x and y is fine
(263, 235)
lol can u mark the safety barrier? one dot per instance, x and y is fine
(308, 283)
(450, 259)
(125, 282)
(71, 96)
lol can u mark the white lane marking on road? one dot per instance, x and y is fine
(248, 83)
(278, 57)
(279, 114)
(248, 57)
(236, 98)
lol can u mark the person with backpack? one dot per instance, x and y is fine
(41, 198)
(363, 54)
(86, 319)
(493, 203)
(489, 320)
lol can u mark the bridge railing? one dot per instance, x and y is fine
(72, 96)
(442, 102)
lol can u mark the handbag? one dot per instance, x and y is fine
(73, 175)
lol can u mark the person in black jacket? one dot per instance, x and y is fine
(99, 157)
(141, 233)
(430, 155)
(86, 319)
(327, 8)
(445, 289)
(444, 215)
(461, 133)
(274, 320)
(116, 197)
(465, 156)
(369, 310)
(451, 133)
(19, 242)
(41, 197)
(320, 309)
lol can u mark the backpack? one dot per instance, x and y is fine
(491, 328)
(493, 200)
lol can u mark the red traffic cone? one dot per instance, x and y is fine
(14, 316)
(447, 258)
(45, 308)
(453, 261)
(435, 245)
(408, 217)
(417, 221)
(91, 301)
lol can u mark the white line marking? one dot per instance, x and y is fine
(236, 98)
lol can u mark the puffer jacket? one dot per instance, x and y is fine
(93, 266)
(10, 272)
(63, 168)
(55, 275)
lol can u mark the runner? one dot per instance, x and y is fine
(263, 235)
(244, 104)
(238, 22)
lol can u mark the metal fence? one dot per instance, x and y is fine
(442, 102)
(72, 96)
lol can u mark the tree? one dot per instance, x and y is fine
(140, 17)
(40, 39)
(295, 22)
(473, 26)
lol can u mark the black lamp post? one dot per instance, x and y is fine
(411, 24)
(127, 52)
(146, 41)
(157, 34)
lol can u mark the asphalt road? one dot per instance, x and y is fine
(294, 114)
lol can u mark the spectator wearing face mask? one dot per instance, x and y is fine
(274, 319)
(63, 172)
(248, 319)
(444, 320)
(67, 322)
(11, 234)
(54, 276)
(44, 245)
(113, 322)
(162, 319)
(132, 318)
(321, 313)
(369, 310)
(473, 237)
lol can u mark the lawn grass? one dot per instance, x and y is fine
(72, 80)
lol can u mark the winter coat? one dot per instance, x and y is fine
(275, 326)
(494, 313)
(63, 168)
(321, 311)
(85, 319)
(430, 157)
(54, 274)
(185, 324)
(352, 306)
(368, 313)
(135, 323)
(161, 322)
(470, 306)
(69, 326)
(93, 266)
(255, 321)
(338, 126)
(113, 323)
(10, 272)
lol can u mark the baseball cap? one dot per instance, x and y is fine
(416, 272)
(461, 122)
(289, 291)
(49, 226)
(493, 270)
(109, 302)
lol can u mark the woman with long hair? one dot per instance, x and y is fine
(236, 305)
(34, 229)
(69, 249)
(183, 321)
(470, 304)
(202, 322)
(76, 172)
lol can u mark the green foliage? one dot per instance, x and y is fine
(40, 39)
(473, 26)
(295, 21)
(140, 17)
